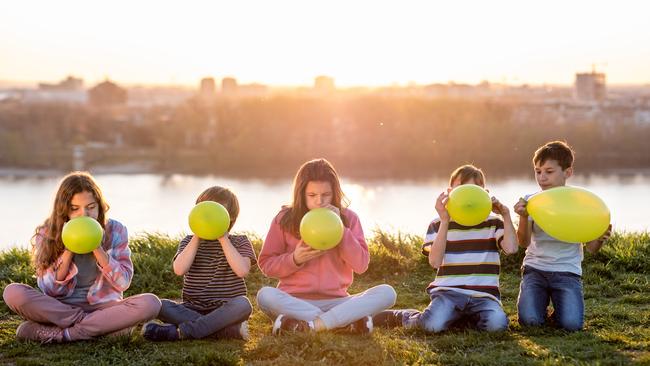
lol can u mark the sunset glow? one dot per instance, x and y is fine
(356, 42)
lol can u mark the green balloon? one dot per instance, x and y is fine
(469, 204)
(82, 235)
(321, 229)
(209, 220)
(569, 214)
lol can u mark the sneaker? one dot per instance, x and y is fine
(284, 324)
(362, 326)
(160, 332)
(392, 318)
(32, 331)
(234, 331)
(126, 332)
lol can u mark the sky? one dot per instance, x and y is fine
(357, 42)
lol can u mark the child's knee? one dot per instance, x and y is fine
(151, 305)
(495, 321)
(242, 304)
(15, 295)
(388, 295)
(431, 323)
(530, 320)
(569, 323)
(265, 296)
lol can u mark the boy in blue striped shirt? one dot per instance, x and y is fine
(466, 286)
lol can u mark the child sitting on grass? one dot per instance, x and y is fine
(466, 286)
(214, 291)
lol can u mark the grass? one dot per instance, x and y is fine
(617, 327)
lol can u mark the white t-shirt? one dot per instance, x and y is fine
(549, 254)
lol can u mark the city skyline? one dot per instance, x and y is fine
(288, 43)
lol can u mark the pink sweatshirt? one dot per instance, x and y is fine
(327, 276)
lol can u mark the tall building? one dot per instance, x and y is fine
(229, 86)
(208, 88)
(590, 86)
(324, 84)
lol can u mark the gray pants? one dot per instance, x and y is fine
(335, 313)
(194, 324)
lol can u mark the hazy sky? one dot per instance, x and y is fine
(357, 42)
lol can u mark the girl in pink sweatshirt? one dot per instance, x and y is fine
(313, 290)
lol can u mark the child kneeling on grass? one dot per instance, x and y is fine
(552, 269)
(214, 291)
(466, 286)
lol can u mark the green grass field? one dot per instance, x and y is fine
(617, 327)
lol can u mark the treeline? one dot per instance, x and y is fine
(370, 136)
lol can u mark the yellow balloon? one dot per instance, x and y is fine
(82, 235)
(209, 220)
(469, 204)
(569, 214)
(321, 229)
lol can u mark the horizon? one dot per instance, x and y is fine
(361, 44)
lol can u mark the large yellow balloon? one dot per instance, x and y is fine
(321, 228)
(209, 220)
(469, 204)
(569, 214)
(82, 235)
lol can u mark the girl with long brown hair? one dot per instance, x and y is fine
(81, 294)
(313, 290)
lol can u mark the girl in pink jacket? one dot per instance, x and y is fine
(313, 290)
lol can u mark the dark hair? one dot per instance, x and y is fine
(467, 172)
(559, 151)
(223, 196)
(47, 244)
(317, 170)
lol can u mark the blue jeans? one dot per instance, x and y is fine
(194, 324)
(447, 307)
(564, 289)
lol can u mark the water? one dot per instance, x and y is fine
(150, 202)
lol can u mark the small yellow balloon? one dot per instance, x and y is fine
(209, 220)
(569, 214)
(321, 229)
(82, 235)
(469, 204)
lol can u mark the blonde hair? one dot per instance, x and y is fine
(467, 172)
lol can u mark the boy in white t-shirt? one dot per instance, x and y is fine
(552, 269)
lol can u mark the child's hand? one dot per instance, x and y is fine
(603, 238)
(224, 236)
(520, 208)
(334, 209)
(304, 253)
(440, 206)
(499, 208)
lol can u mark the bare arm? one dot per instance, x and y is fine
(594, 246)
(439, 245)
(239, 264)
(184, 260)
(509, 242)
(64, 267)
(525, 228)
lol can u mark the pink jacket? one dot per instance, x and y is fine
(327, 276)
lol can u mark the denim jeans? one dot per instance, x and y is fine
(448, 306)
(563, 289)
(194, 324)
